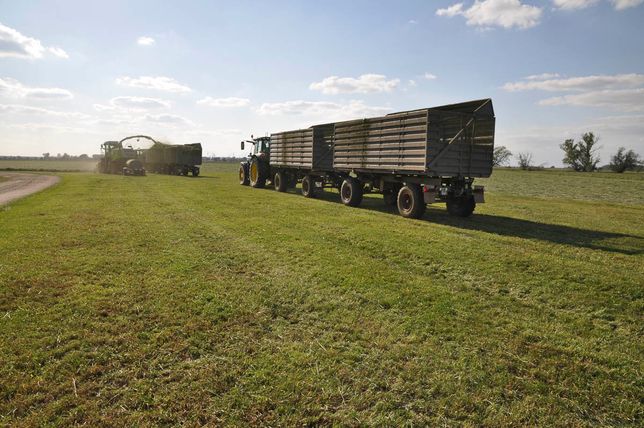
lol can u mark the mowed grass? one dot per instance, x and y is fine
(166, 300)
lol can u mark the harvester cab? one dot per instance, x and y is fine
(256, 169)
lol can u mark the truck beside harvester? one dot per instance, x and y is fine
(412, 158)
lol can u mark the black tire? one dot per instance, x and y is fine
(256, 174)
(280, 181)
(308, 187)
(195, 172)
(351, 192)
(243, 175)
(461, 207)
(410, 201)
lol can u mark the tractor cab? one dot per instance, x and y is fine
(261, 146)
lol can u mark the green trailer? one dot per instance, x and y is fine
(174, 159)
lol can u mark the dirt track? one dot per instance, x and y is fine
(20, 185)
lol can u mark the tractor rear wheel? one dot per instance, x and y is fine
(462, 206)
(243, 175)
(410, 201)
(257, 177)
(351, 192)
(308, 187)
(280, 181)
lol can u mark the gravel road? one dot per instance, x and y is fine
(20, 185)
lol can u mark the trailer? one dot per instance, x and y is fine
(173, 159)
(412, 158)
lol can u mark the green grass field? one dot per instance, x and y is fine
(165, 300)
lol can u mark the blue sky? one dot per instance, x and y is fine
(76, 73)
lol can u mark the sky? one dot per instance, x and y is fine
(76, 73)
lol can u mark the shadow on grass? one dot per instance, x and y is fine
(508, 226)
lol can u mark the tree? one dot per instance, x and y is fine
(525, 160)
(46, 155)
(501, 156)
(581, 156)
(624, 160)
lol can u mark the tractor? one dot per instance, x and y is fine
(256, 170)
(118, 159)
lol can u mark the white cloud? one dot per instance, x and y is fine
(59, 52)
(16, 45)
(330, 110)
(224, 102)
(622, 99)
(136, 103)
(596, 82)
(542, 76)
(168, 119)
(11, 88)
(366, 83)
(38, 111)
(412, 22)
(453, 10)
(573, 4)
(625, 4)
(430, 76)
(145, 41)
(159, 83)
(496, 13)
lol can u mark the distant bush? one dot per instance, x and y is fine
(625, 160)
(525, 160)
(501, 156)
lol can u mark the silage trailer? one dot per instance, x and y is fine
(413, 158)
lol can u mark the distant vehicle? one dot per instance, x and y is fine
(413, 158)
(119, 157)
(120, 160)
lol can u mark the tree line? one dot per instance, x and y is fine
(580, 155)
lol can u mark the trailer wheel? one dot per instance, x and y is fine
(257, 179)
(243, 176)
(195, 172)
(351, 192)
(308, 187)
(410, 201)
(462, 206)
(280, 181)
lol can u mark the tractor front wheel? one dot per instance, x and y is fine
(243, 175)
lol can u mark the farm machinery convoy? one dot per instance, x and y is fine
(119, 157)
(412, 158)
